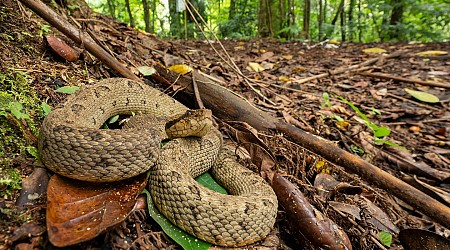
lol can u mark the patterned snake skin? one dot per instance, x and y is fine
(72, 145)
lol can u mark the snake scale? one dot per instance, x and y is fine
(72, 144)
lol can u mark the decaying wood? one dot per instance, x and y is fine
(404, 79)
(228, 106)
(318, 229)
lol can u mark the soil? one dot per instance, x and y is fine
(282, 83)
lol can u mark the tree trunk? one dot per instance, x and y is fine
(232, 11)
(320, 21)
(112, 9)
(153, 20)
(343, 35)
(306, 18)
(130, 15)
(146, 15)
(396, 19)
(271, 17)
(351, 24)
(175, 20)
(335, 18)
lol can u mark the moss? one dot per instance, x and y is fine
(15, 89)
(10, 180)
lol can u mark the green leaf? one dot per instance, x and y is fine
(386, 238)
(422, 96)
(382, 132)
(67, 89)
(356, 109)
(16, 110)
(208, 181)
(338, 118)
(389, 143)
(33, 151)
(185, 240)
(46, 108)
(356, 149)
(113, 119)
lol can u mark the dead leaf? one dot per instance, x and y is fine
(432, 53)
(78, 211)
(378, 217)
(62, 48)
(374, 51)
(255, 67)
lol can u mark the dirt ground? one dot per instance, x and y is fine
(343, 93)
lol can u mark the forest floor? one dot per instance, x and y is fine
(309, 85)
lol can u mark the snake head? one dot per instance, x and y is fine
(196, 122)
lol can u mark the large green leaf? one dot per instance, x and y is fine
(422, 96)
(185, 240)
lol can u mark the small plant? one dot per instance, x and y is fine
(326, 100)
(378, 131)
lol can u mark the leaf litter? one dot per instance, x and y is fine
(295, 77)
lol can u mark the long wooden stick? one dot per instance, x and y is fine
(404, 79)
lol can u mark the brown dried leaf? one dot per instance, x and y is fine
(318, 229)
(260, 153)
(78, 211)
(422, 239)
(63, 49)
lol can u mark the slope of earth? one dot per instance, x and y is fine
(356, 98)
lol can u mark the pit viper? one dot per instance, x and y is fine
(72, 144)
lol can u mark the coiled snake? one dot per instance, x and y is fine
(72, 145)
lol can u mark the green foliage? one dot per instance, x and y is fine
(10, 180)
(378, 131)
(423, 20)
(18, 102)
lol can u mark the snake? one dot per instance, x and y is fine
(72, 143)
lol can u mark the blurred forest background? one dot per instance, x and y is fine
(313, 20)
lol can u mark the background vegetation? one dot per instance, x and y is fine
(316, 20)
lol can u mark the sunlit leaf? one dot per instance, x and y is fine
(374, 50)
(381, 132)
(284, 79)
(432, 53)
(255, 67)
(422, 96)
(180, 69)
(67, 89)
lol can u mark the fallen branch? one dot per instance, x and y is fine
(313, 225)
(403, 79)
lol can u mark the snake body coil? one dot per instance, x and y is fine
(72, 145)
